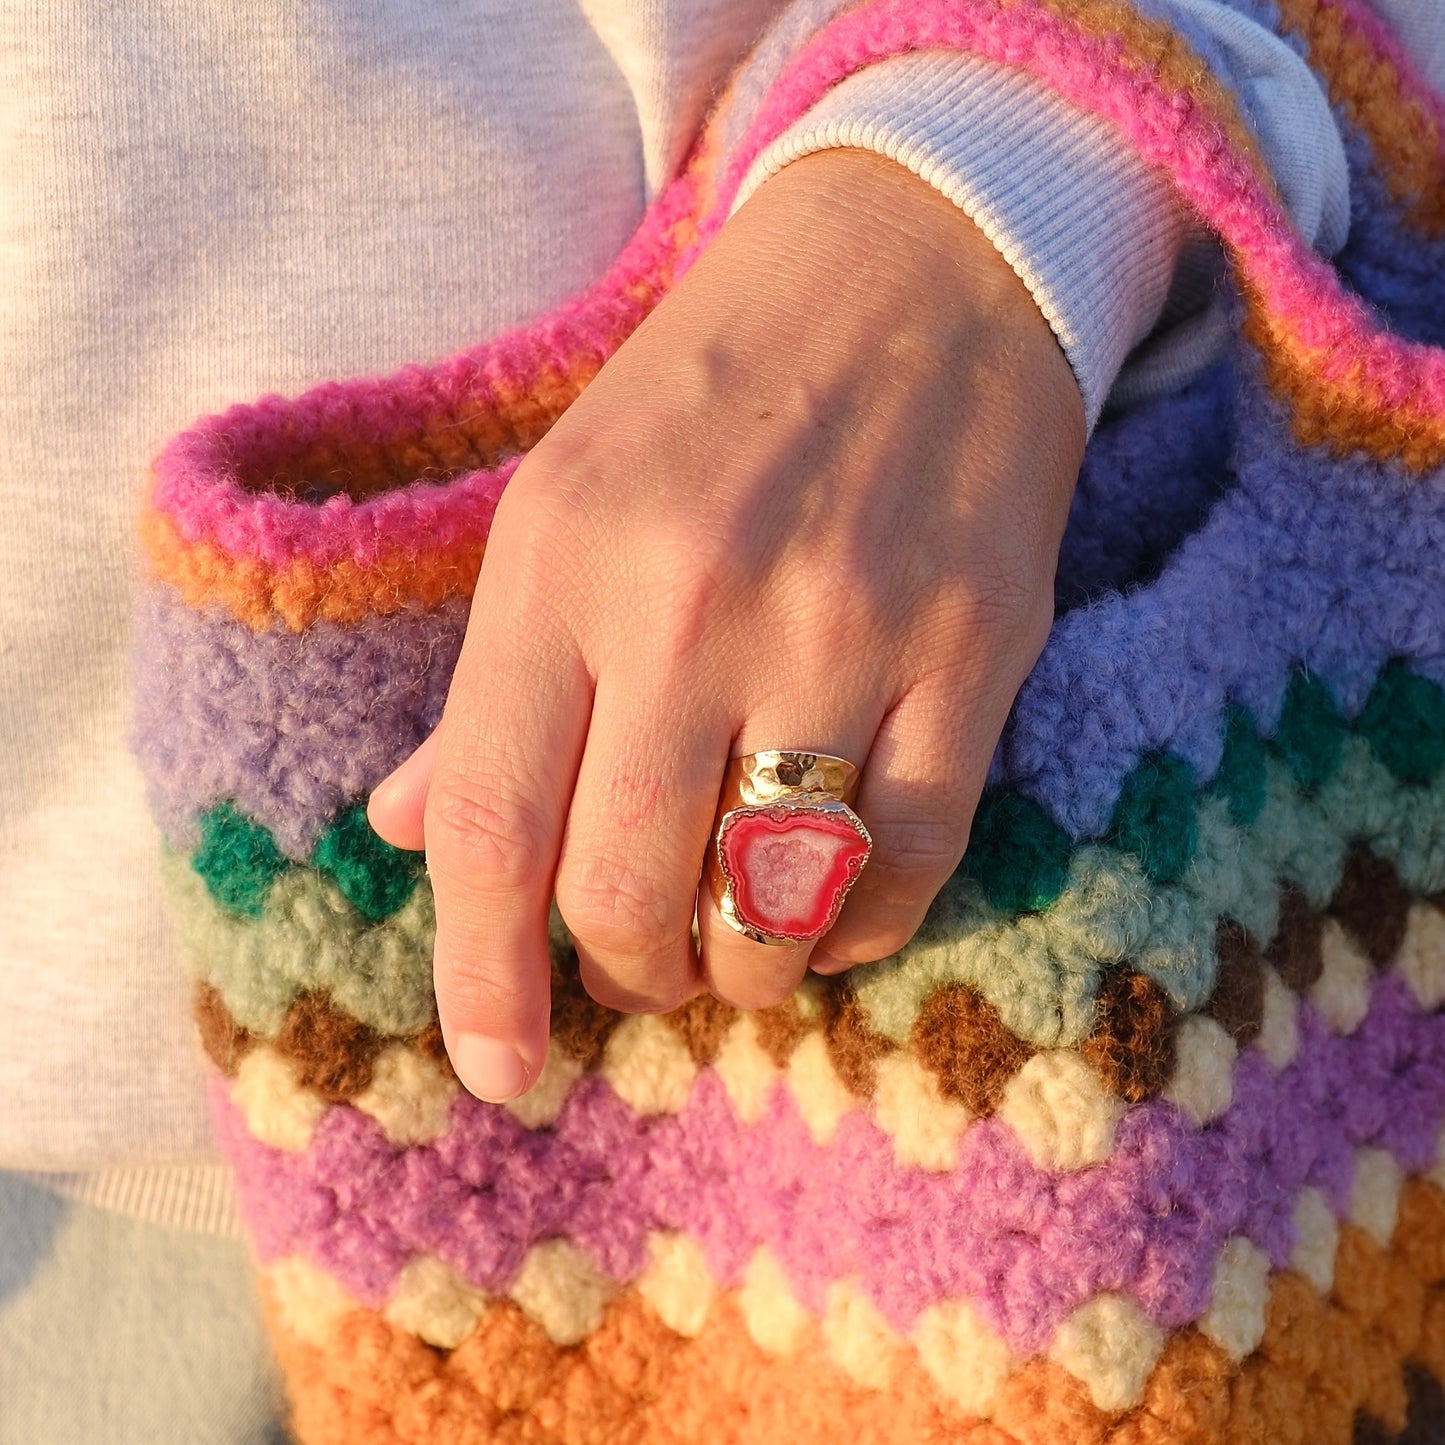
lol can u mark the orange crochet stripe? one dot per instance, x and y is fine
(1342, 416)
(1349, 414)
(1403, 130)
(1321, 1365)
(303, 592)
(1350, 387)
(1356, 387)
(1157, 53)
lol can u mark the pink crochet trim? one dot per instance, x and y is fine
(197, 477)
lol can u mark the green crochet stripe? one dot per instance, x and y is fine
(240, 863)
(307, 937)
(1020, 857)
(1040, 969)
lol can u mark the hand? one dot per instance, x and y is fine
(814, 502)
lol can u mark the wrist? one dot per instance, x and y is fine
(896, 263)
(879, 225)
(846, 274)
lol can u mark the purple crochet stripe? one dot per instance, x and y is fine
(1336, 565)
(1025, 1245)
(1340, 571)
(292, 726)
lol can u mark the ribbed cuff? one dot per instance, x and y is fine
(1091, 231)
(196, 1197)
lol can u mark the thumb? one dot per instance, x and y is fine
(398, 802)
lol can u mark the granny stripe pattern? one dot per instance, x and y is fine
(1142, 1139)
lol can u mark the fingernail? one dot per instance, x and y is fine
(826, 964)
(493, 1071)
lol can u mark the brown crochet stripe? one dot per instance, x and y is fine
(1366, 1361)
(1237, 1004)
(333, 1054)
(958, 1035)
(1403, 133)
(1424, 1415)
(1370, 904)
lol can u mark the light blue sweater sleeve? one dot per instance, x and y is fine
(1106, 249)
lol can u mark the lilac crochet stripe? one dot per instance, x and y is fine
(1336, 566)
(1339, 573)
(292, 726)
(1025, 1245)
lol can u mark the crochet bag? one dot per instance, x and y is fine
(1139, 1140)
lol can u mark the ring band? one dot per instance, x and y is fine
(787, 845)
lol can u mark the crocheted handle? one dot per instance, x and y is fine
(376, 494)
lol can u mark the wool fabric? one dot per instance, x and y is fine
(1141, 1139)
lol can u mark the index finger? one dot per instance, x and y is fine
(507, 754)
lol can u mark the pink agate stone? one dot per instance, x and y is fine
(788, 868)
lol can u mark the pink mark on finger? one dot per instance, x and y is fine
(633, 798)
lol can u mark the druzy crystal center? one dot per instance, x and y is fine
(788, 869)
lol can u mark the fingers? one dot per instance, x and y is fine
(641, 820)
(925, 772)
(506, 757)
(737, 969)
(635, 839)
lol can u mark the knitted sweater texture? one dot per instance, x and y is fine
(1140, 1138)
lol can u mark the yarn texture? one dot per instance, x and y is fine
(1141, 1140)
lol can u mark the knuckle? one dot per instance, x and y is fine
(752, 994)
(876, 935)
(757, 983)
(543, 516)
(616, 909)
(632, 991)
(829, 614)
(688, 593)
(1011, 606)
(476, 835)
(918, 856)
(476, 991)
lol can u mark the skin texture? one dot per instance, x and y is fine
(814, 502)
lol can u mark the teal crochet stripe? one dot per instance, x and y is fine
(1040, 970)
(1019, 856)
(239, 862)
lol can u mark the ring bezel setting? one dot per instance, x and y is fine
(789, 849)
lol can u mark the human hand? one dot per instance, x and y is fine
(815, 502)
